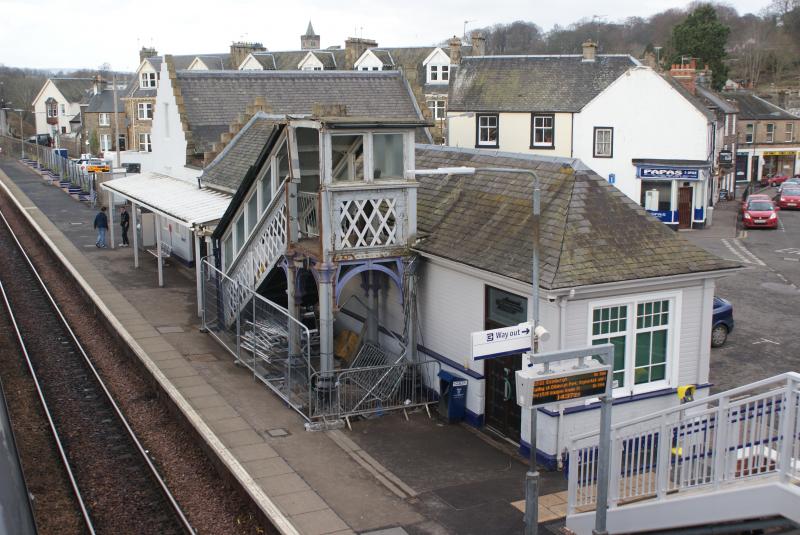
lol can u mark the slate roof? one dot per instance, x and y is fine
(330, 59)
(74, 89)
(215, 62)
(591, 232)
(232, 164)
(756, 108)
(716, 100)
(532, 83)
(214, 99)
(103, 102)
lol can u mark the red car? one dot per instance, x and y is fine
(760, 213)
(754, 197)
(774, 181)
(789, 198)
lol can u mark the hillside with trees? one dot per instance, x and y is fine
(756, 50)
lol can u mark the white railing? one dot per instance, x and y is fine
(744, 433)
(267, 244)
(369, 218)
(308, 214)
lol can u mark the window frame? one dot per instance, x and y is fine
(106, 146)
(439, 112)
(552, 117)
(597, 129)
(148, 143)
(144, 106)
(789, 133)
(673, 339)
(478, 143)
(52, 109)
(104, 119)
(148, 80)
(770, 133)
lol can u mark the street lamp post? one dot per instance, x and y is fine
(532, 475)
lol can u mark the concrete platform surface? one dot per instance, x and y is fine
(388, 475)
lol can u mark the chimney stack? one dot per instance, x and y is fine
(686, 74)
(353, 48)
(649, 59)
(240, 50)
(455, 50)
(589, 50)
(478, 43)
(309, 40)
(147, 52)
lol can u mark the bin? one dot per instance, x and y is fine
(453, 397)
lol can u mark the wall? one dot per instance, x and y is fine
(40, 110)
(760, 133)
(251, 64)
(91, 123)
(515, 133)
(650, 120)
(167, 136)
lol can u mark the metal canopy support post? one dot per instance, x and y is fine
(158, 252)
(111, 218)
(371, 278)
(198, 272)
(291, 306)
(135, 236)
(326, 275)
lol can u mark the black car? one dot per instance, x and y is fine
(722, 322)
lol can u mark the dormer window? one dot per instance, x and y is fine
(438, 74)
(148, 80)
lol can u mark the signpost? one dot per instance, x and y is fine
(571, 375)
(500, 342)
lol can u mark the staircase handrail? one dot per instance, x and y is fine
(780, 380)
(276, 200)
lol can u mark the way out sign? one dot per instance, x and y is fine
(501, 342)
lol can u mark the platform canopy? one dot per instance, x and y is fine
(179, 200)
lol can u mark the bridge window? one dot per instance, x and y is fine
(387, 156)
(347, 157)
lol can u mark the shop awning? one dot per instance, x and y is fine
(178, 200)
(665, 169)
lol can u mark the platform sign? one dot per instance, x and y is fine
(501, 342)
(535, 388)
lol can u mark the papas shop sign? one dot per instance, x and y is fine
(668, 173)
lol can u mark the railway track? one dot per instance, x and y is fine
(117, 487)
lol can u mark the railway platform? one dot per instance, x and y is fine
(387, 475)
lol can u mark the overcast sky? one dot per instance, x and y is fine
(59, 34)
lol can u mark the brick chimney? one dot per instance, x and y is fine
(240, 50)
(649, 60)
(686, 74)
(353, 48)
(589, 50)
(309, 40)
(147, 52)
(455, 50)
(478, 43)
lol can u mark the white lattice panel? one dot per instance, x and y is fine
(369, 221)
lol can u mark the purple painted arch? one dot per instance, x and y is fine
(372, 265)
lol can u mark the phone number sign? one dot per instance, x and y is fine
(569, 387)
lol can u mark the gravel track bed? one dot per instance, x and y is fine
(210, 504)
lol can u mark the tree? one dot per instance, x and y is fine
(701, 35)
(94, 144)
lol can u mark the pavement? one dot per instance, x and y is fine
(388, 475)
(764, 294)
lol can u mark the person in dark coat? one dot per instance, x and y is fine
(101, 224)
(124, 223)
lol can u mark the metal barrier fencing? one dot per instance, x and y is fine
(259, 334)
(747, 432)
(375, 389)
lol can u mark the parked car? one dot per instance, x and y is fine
(774, 181)
(722, 322)
(794, 181)
(754, 197)
(789, 197)
(760, 213)
(95, 165)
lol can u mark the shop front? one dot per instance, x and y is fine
(778, 163)
(675, 192)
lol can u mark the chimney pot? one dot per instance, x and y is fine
(589, 50)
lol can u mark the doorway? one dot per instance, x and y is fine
(685, 207)
(503, 309)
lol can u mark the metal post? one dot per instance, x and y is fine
(158, 252)
(135, 236)
(603, 454)
(203, 326)
(111, 218)
(326, 274)
(291, 305)
(532, 476)
(22, 135)
(197, 272)
(788, 432)
(409, 273)
(116, 117)
(372, 306)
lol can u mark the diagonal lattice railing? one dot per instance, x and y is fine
(368, 219)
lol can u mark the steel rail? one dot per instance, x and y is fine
(154, 472)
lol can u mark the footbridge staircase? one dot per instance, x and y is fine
(730, 458)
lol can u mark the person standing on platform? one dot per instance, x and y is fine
(124, 223)
(101, 224)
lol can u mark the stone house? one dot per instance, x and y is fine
(99, 120)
